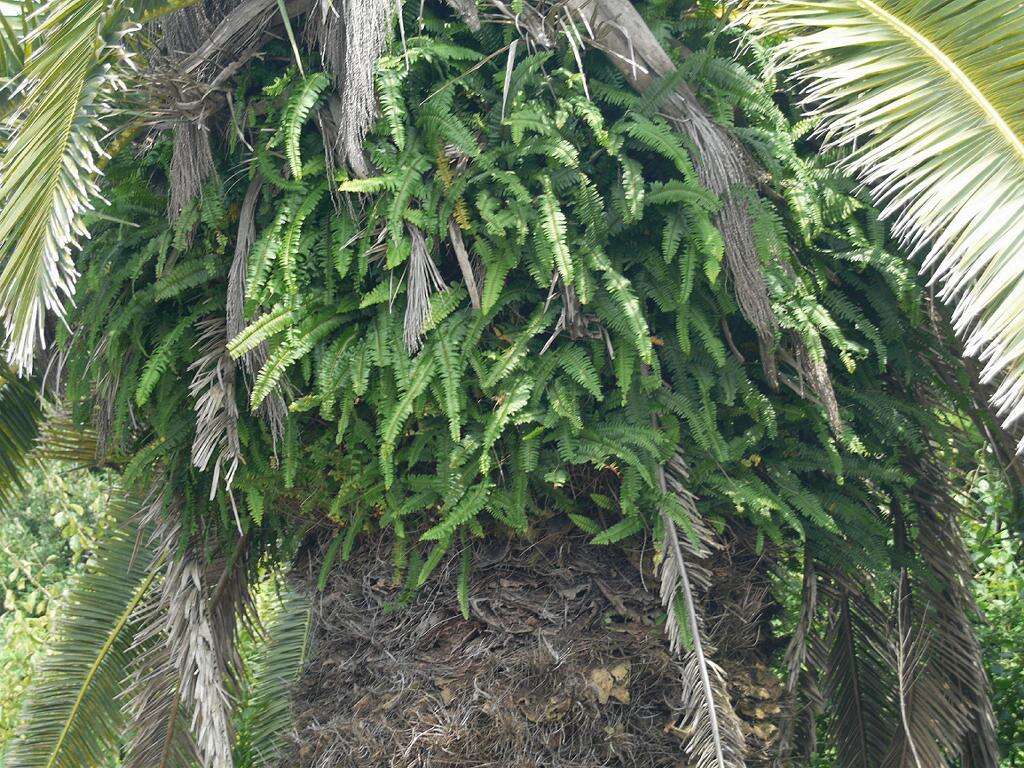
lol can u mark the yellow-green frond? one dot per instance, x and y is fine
(48, 168)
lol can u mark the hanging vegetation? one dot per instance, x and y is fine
(428, 281)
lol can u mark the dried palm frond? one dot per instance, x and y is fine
(468, 12)
(244, 239)
(159, 734)
(184, 29)
(462, 257)
(909, 747)
(231, 607)
(814, 369)
(191, 155)
(351, 35)
(183, 666)
(62, 439)
(191, 166)
(423, 280)
(715, 739)
(722, 164)
(273, 409)
(213, 387)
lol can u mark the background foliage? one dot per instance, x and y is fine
(47, 532)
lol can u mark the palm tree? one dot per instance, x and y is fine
(156, 622)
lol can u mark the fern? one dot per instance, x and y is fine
(261, 330)
(509, 404)
(161, 360)
(450, 365)
(295, 114)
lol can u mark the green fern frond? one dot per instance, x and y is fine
(297, 111)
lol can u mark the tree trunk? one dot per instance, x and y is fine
(562, 662)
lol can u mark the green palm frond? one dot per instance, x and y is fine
(72, 716)
(62, 439)
(48, 169)
(267, 716)
(15, 21)
(19, 427)
(927, 96)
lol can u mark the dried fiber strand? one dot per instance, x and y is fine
(351, 35)
(216, 407)
(423, 280)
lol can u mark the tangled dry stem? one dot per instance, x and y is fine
(562, 663)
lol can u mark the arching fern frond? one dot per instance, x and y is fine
(297, 112)
(266, 718)
(926, 96)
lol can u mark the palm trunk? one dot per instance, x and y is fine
(562, 662)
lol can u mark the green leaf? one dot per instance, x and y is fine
(467, 508)
(510, 403)
(296, 112)
(621, 530)
(450, 365)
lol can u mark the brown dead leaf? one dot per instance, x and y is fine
(611, 684)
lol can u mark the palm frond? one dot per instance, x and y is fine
(925, 96)
(803, 699)
(716, 740)
(267, 717)
(187, 654)
(48, 169)
(15, 22)
(183, 662)
(20, 415)
(945, 705)
(858, 682)
(72, 716)
(352, 35)
(424, 279)
(62, 439)
(213, 387)
(159, 734)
